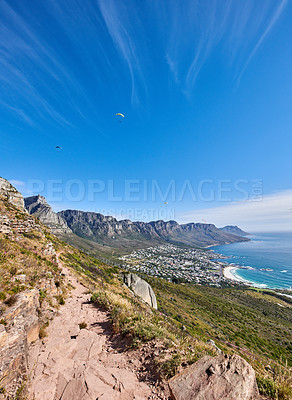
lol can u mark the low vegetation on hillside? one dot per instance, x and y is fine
(253, 324)
(257, 325)
(28, 261)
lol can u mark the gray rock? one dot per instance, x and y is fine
(212, 343)
(20, 278)
(234, 230)
(216, 378)
(141, 288)
(11, 219)
(11, 194)
(38, 207)
(22, 328)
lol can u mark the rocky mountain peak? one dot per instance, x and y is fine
(234, 230)
(38, 206)
(9, 193)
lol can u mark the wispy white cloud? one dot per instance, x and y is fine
(26, 64)
(37, 83)
(272, 213)
(116, 19)
(111, 40)
(198, 30)
(274, 18)
(173, 67)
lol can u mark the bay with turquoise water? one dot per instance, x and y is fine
(272, 251)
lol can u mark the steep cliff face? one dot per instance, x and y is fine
(38, 207)
(13, 216)
(9, 193)
(98, 227)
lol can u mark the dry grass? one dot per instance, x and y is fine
(141, 324)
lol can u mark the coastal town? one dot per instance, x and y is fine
(178, 264)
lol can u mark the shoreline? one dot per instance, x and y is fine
(230, 273)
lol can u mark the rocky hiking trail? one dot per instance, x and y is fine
(85, 364)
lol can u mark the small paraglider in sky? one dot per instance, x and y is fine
(120, 116)
(58, 148)
(204, 221)
(166, 202)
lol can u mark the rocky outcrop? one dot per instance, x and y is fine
(9, 193)
(19, 328)
(141, 288)
(13, 216)
(234, 230)
(38, 207)
(17, 224)
(216, 378)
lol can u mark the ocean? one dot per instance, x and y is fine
(272, 251)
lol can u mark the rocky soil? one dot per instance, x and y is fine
(89, 363)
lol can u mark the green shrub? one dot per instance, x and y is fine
(43, 330)
(82, 325)
(42, 295)
(169, 368)
(60, 300)
(2, 257)
(13, 271)
(100, 299)
(267, 386)
(279, 389)
(2, 296)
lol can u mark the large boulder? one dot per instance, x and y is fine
(141, 288)
(216, 378)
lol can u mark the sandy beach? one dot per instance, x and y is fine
(229, 273)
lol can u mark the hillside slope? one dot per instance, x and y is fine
(39, 275)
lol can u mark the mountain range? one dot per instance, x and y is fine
(106, 232)
(234, 230)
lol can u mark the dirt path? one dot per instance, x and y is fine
(83, 364)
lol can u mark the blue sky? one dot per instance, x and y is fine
(205, 87)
